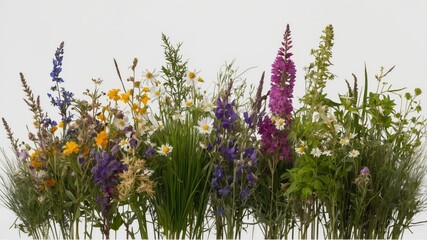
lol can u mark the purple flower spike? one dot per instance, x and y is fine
(281, 94)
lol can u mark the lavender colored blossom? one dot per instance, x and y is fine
(364, 171)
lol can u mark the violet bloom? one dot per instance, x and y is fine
(226, 114)
(364, 171)
(106, 177)
(105, 173)
(63, 100)
(57, 64)
(281, 94)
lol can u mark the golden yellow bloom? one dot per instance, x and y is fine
(113, 94)
(146, 89)
(61, 124)
(71, 147)
(144, 99)
(125, 97)
(36, 164)
(53, 129)
(35, 155)
(134, 107)
(102, 139)
(101, 117)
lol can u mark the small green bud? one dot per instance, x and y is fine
(418, 91)
(418, 108)
(408, 96)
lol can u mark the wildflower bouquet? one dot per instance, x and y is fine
(160, 156)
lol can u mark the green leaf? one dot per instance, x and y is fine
(306, 191)
(70, 195)
(117, 222)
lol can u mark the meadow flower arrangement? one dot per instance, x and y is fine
(161, 156)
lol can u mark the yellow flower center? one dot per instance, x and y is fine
(188, 103)
(148, 75)
(205, 127)
(165, 149)
(280, 122)
(191, 75)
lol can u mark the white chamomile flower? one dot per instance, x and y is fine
(124, 145)
(165, 149)
(316, 152)
(352, 135)
(353, 153)
(207, 105)
(344, 141)
(120, 123)
(187, 103)
(156, 125)
(300, 150)
(204, 125)
(150, 76)
(280, 123)
(155, 93)
(191, 77)
(327, 153)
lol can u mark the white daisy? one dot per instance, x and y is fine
(204, 125)
(353, 153)
(165, 149)
(300, 150)
(316, 152)
(191, 77)
(121, 123)
(280, 123)
(207, 105)
(327, 153)
(187, 103)
(155, 93)
(150, 76)
(344, 141)
(124, 145)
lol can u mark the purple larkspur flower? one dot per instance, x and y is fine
(105, 172)
(57, 64)
(64, 98)
(226, 114)
(244, 194)
(224, 191)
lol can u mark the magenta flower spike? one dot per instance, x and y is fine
(283, 74)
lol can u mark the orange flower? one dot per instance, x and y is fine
(144, 99)
(102, 139)
(71, 147)
(113, 94)
(50, 182)
(36, 164)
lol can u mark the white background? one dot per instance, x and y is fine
(380, 33)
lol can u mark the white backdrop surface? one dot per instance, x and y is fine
(380, 33)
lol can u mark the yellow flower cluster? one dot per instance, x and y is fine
(70, 148)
